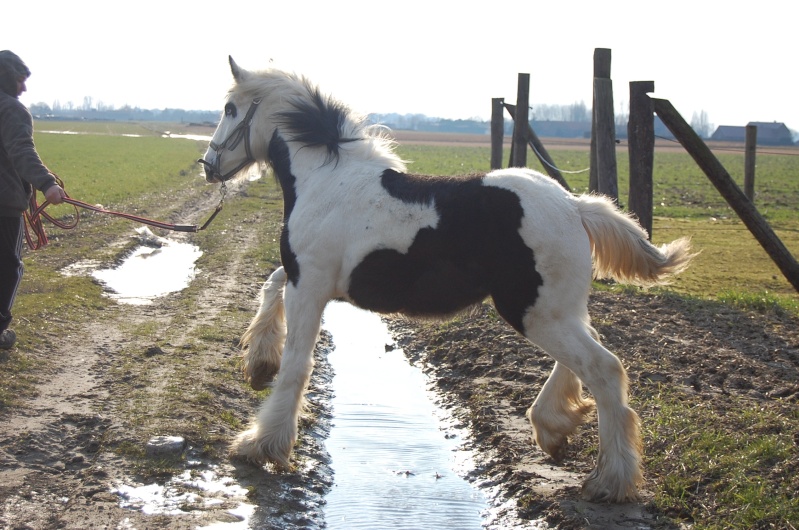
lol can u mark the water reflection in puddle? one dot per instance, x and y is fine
(397, 459)
(161, 267)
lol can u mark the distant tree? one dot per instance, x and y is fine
(574, 112)
(40, 109)
(622, 116)
(87, 103)
(578, 112)
(544, 112)
(701, 125)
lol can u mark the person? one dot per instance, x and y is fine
(21, 174)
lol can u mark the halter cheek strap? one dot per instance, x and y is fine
(239, 133)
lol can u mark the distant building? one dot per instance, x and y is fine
(561, 129)
(768, 133)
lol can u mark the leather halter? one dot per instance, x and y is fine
(239, 133)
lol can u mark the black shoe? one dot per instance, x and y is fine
(7, 339)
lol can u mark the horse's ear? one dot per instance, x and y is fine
(238, 73)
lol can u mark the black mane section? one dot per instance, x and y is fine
(317, 121)
(280, 160)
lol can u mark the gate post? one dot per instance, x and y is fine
(497, 132)
(521, 122)
(749, 161)
(605, 129)
(601, 70)
(641, 148)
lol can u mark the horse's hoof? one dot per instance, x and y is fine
(261, 381)
(556, 449)
(558, 453)
(261, 377)
(245, 447)
(249, 448)
(597, 492)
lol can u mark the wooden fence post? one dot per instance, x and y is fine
(729, 190)
(641, 148)
(497, 132)
(521, 122)
(749, 161)
(605, 131)
(602, 70)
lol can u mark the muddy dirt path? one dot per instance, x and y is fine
(64, 452)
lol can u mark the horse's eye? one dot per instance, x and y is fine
(230, 110)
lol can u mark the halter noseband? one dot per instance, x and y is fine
(239, 133)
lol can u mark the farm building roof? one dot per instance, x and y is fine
(768, 133)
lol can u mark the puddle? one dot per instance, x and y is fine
(398, 460)
(159, 267)
(198, 137)
(220, 500)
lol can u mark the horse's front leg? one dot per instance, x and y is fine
(263, 341)
(272, 435)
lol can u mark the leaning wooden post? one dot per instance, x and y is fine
(641, 148)
(749, 161)
(601, 70)
(521, 122)
(729, 190)
(497, 132)
(543, 156)
(540, 151)
(604, 118)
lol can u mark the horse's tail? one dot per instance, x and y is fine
(621, 249)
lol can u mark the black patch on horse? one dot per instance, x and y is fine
(317, 121)
(280, 160)
(475, 251)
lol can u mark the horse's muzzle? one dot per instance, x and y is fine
(211, 171)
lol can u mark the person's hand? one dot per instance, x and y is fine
(55, 194)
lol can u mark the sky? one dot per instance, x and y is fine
(733, 61)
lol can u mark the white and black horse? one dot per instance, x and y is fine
(358, 227)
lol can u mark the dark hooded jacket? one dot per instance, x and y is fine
(21, 169)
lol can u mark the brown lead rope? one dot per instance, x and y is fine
(34, 216)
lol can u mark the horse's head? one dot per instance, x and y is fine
(231, 148)
(267, 104)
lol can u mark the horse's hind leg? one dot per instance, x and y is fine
(263, 341)
(272, 435)
(558, 410)
(571, 342)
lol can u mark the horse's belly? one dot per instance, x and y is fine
(387, 281)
